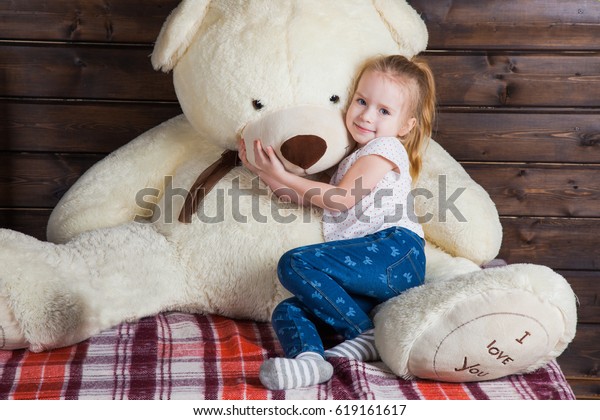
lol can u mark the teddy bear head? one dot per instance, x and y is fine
(281, 71)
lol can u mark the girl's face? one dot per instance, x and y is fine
(380, 108)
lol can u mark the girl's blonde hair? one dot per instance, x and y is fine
(417, 75)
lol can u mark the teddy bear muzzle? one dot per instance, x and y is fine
(307, 138)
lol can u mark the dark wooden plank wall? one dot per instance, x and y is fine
(519, 95)
(75, 83)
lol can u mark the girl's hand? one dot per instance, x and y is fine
(266, 160)
(244, 157)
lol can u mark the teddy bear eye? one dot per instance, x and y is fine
(257, 104)
(334, 99)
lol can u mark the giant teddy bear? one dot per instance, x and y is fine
(282, 70)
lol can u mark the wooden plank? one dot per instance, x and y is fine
(520, 135)
(31, 222)
(39, 180)
(74, 71)
(559, 243)
(586, 285)
(528, 24)
(478, 79)
(30, 180)
(131, 21)
(581, 360)
(86, 127)
(499, 24)
(540, 189)
(468, 136)
(516, 79)
(498, 135)
(585, 389)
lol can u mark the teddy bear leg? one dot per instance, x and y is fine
(34, 307)
(481, 326)
(11, 336)
(57, 295)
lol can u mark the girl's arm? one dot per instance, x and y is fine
(358, 182)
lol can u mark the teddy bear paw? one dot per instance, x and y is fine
(11, 335)
(480, 326)
(488, 336)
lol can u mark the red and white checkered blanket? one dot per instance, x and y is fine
(185, 356)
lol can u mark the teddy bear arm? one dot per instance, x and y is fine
(126, 184)
(457, 214)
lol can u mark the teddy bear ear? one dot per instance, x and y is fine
(405, 25)
(177, 33)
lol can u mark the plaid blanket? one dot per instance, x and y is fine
(184, 356)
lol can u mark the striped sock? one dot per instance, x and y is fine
(305, 370)
(359, 348)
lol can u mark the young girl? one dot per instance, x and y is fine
(373, 249)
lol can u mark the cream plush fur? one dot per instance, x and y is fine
(118, 252)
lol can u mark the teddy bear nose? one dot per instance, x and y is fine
(304, 150)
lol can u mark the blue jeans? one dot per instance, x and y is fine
(338, 283)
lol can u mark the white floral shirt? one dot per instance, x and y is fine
(389, 204)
